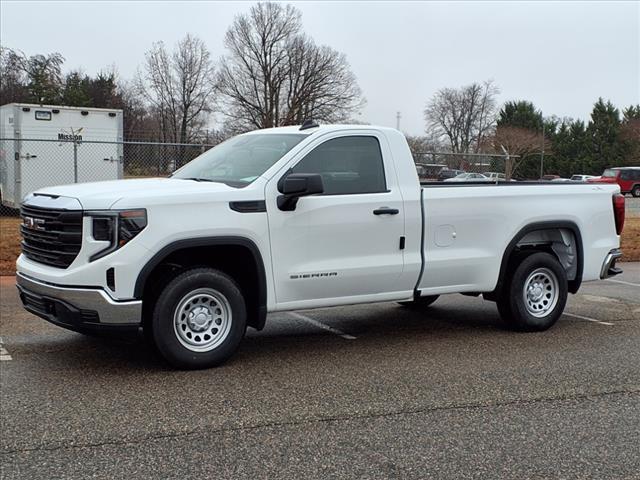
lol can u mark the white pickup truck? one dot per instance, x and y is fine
(303, 217)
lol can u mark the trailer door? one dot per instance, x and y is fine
(43, 164)
(98, 161)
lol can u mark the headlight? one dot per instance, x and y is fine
(117, 227)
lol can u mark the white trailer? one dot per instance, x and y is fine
(46, 145)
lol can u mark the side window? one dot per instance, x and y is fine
(347, 165)
(625, 175)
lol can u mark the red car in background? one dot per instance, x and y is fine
(627, 177)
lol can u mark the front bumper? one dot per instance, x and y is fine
(80, 309)
(609, 268)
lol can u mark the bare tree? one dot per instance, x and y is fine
(13, 87)
(274, 75)
(422, 147)
(38, 77)
(319, 84)
(520, 144)
(464, 116)
(179, 86)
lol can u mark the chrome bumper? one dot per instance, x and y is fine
(76, 308)
(609, 268)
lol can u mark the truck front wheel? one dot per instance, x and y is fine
(535, 294)
(199, 319)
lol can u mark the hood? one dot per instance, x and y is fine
(138, 192)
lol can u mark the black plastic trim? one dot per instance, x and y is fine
(249, 206)
(416, 291)
(70, 317)
(574, 285)
(386, 211)
(308, 124)
(110, 275)
(210, 242)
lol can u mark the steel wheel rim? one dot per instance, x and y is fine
(202, 320)
(541, 292)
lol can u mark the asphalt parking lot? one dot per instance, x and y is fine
(376, 391)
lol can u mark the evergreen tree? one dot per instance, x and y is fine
(580, 153)
(521, 114)
(76, 90)
(604, 132)
(103, 91)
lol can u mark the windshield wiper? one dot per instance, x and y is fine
(230, 183)
(197, 179)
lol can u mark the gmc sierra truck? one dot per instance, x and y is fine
(298, 218)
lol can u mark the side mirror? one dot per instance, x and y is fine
(296, 185)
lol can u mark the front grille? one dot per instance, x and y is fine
(49, 236)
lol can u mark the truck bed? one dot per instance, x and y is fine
(468, 226)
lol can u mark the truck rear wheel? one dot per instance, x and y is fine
(535, 295)
(635, 191)
(199, 319)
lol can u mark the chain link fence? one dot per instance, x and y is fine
(444, 165)
(27, 165)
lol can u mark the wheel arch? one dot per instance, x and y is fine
(257, 306)
(512, 248)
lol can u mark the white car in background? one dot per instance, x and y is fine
(469, 177)
(495, 176)
(581, 178)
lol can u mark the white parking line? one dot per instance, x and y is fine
(318, 324)
(4, 354)
(588, 319)
(623, 282)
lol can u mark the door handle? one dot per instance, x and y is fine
(386, 211)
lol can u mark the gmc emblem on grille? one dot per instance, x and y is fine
(33, 223)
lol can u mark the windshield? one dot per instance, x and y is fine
(239, 160)
(609, 173)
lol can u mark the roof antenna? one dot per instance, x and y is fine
(308, 124)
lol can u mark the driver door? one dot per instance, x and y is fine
(344, 243)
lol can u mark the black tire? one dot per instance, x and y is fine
(421, 302)
(539, 310)
(212, 296)
(635, 191)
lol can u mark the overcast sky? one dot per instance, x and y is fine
(561, 56)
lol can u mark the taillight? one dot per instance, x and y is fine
(618, 211)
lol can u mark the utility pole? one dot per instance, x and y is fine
(398, 116)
